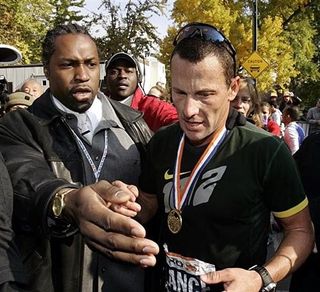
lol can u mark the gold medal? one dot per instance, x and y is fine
(174, 221)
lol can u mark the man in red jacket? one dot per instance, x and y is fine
(123, 79)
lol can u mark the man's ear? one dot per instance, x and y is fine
(234, 88)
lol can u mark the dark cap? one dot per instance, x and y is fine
(126, 57)
(121, 56)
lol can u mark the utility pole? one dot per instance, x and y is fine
(255, 30)
(255, 26)
(255, 64)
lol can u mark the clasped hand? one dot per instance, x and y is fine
(103, 213)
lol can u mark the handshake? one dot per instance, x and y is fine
(104, 214)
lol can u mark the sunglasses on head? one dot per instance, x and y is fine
(208, 33)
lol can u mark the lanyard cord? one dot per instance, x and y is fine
(95, 171)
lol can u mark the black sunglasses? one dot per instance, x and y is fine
(206, 32)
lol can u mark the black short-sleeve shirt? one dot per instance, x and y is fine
(226, 215)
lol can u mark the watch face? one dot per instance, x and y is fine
(57, 206)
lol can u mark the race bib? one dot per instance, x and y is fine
(184, 273)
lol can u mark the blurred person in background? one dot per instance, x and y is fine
(268, 124)
(273, 98)
(313, 118)
(32, 87)
(247, 101)
(293, 133)
(276, 114)
(286, 100)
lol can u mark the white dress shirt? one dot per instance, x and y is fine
(87, 121)
(293, 136)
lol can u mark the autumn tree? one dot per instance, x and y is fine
(299, 29)
(127, 28)
(286, 34)
(308, 87)
(22, 25)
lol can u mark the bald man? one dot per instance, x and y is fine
(32, 87)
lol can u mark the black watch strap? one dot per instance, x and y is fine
(268, 284)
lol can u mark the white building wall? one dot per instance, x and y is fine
(18, 74)
(154, 72)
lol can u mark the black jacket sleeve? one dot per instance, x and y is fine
(11, 269)
(27, 150)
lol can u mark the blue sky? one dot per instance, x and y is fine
(160, 22)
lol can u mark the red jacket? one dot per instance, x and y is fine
(157, 113)
(273, 128)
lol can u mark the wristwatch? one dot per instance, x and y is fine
(58, 202)
(268, 284)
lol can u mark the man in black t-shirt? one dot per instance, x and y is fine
(215, 178)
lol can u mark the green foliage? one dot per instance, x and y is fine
(308, 86)
(130, 30)
(23, 27)
(25, 22)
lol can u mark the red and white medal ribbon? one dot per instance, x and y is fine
(179, 194)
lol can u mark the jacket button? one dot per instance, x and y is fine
(103, 270)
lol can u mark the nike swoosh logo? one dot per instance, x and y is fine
(168, 176)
